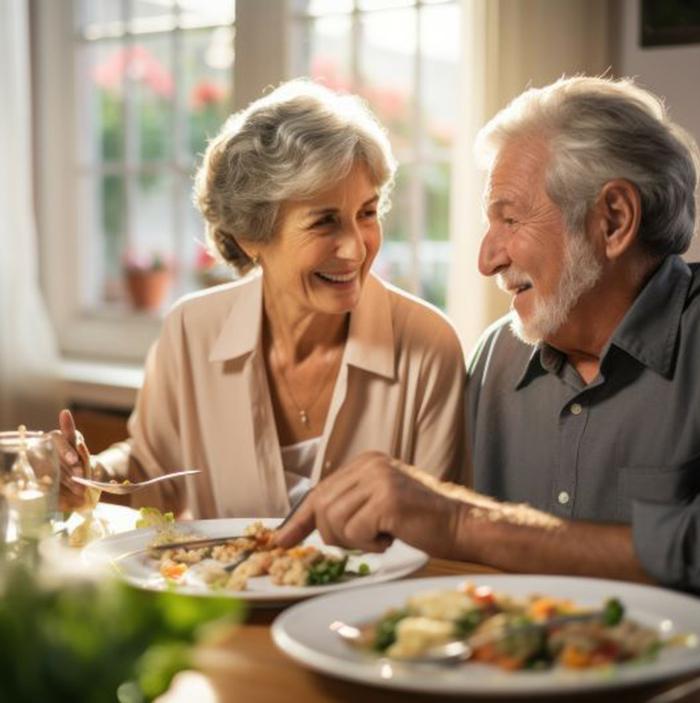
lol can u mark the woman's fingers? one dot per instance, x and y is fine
(74, 460)
(66, 424)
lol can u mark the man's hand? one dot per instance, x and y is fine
(371, 501)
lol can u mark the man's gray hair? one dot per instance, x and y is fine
(291, 144)
(598, 130)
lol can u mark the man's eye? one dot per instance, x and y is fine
(509, 221)
(369, 214)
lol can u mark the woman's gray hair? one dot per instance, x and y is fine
(291, 144)
(598, 130)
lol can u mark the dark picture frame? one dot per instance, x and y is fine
(670, 22)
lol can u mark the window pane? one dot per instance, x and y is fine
(101, 98)
(99, 18)
(153, 89)
(151, 233)
(107, 232)
(396, 260)
(439, 42)
(326, 51)
(386, 61)
(322, 7)
(437, 190)
(383, 4)
(152, 16)
(203, 13)
(207, 68)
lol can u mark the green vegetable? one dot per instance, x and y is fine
(363, 569)
(613, 612)
(385, 632)
(468, 622)
(152, 517)
(326, 570)
(95, 642)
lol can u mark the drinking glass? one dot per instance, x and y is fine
(29, 482)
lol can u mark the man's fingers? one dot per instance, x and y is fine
(300, 525)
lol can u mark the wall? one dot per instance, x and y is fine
(671, 72)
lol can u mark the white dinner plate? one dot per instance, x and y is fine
(126, 553)
(303, 633)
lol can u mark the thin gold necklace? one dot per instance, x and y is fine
(304, 412)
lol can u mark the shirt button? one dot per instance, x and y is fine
(327, 465)
(576, 408)
(563, 498)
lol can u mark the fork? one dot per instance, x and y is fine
(121, 489)
(460, 650)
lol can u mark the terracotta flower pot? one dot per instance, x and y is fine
(148, 288)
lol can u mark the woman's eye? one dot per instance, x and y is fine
(509, 221)
(369, 214)
(324, 221)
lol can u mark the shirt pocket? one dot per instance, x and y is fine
(675, 483)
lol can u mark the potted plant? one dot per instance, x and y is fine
(148, 280)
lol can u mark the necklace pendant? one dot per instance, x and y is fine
(304, 418)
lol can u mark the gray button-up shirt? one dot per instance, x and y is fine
(625, 448)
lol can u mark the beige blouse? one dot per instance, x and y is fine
(205, 401)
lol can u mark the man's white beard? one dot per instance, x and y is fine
(580, 273)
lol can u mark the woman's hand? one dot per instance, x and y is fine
(371, 501)
(74, 458)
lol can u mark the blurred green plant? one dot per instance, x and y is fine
(96, 642)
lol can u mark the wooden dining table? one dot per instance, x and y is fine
(245, 666)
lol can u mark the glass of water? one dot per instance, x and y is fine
(29, 482)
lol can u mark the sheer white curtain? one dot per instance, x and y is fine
(29, 388)
(507, 46)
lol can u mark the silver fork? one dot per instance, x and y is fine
(460, 650)
(121, 489)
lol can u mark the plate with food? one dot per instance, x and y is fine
(237, 557)
(496, 635)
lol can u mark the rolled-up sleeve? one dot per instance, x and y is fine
(666, 541)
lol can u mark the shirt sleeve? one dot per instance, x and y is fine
(154, 425)
(666, 541)
(440, 446)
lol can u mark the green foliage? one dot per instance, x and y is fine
(84, 641)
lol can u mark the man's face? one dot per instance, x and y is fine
(545, 268)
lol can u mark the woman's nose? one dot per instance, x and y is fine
(352, 244)
(493, 255)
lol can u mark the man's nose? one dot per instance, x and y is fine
(493, 256)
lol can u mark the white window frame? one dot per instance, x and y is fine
(108, 334)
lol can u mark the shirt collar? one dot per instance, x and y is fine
(370, 344)
(241, 330)
(648, 331)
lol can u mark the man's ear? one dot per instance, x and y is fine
(618, 212)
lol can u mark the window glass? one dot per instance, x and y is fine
(402, 57)
(153, 85)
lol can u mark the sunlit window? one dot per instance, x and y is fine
(154, 81)
(401, 56)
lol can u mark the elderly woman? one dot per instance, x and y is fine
(271, 382)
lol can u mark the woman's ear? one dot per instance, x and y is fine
(618, 212)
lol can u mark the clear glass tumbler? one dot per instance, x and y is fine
(29, 482)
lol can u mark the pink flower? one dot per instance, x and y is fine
(138, 64)
(206, 93)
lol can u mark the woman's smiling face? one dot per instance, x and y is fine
(323, 247)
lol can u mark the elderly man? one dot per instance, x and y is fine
(584, 403)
